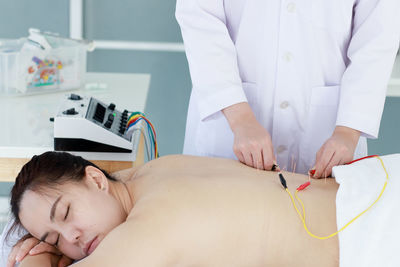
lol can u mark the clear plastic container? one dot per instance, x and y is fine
(27, 68)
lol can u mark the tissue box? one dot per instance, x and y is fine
(28, 68)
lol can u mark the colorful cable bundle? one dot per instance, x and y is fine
(134, 118)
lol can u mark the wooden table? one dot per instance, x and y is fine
(10, 167)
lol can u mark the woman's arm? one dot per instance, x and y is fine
(42, 260)
(133, 243)
(45, 259)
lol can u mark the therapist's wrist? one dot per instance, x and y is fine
(237, 114)
(347, 132)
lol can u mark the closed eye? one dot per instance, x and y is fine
(65, 217)
(66, 214)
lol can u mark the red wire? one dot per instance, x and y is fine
(151, 125)
(361, 159)
(152, 128)
(371, 156)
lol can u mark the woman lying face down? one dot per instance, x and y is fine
(176, 210)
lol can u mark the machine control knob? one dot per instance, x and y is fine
(70, 111)
(75, 97)
(108, 124)
(111, 106)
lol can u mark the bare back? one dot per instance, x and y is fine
(194, 211)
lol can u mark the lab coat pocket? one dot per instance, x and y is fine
(215, 138)
(325, 96)
(323, 111)
(321, 120)
(331, 15)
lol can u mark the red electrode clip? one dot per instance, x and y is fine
(303, 186)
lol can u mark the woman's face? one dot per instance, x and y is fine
(76, 217)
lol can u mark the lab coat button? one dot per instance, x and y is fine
(284, 104)
(280, 149)
(291, 7)
(288, 57)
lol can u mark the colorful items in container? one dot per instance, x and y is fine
(45, 72)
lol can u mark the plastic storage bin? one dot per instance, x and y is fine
(29, 69)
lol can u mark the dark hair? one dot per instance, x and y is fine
(46, 171)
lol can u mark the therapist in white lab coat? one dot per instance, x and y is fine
(302, 80)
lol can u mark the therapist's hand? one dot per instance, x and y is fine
(337, 150)
(252, 142)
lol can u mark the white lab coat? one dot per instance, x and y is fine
(303, 66)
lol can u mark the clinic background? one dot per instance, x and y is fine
(152, 22)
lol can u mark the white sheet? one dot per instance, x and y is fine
(5, 246)
(374, 238)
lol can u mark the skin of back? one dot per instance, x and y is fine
(197, 211)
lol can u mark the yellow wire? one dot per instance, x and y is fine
(302, 218)
(301, 203)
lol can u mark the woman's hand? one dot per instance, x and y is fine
(64, 261)
(252, 142)
(31, 246)
(337, 150)
(43, 260)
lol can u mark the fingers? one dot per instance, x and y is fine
(324, 157)
(252, 144)
(244, 157)
(30, 246)
(239, 155)
(248, 159)
(26, 246)
(335, 161)
(262, 160)
(13, 254)
(64, 261)
(268, 158)
(44, 247)
(11, 261)
(258, 160)
(20, 250)
(338, 149)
